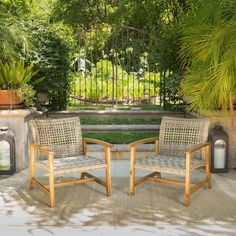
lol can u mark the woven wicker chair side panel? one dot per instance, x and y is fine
(63, 136)
(179, 134)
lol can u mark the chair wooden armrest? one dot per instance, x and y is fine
(41, 149)
(107, 147)
(92, 140)
(197, 147)
(141, 141)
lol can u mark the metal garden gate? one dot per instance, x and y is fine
(115, 66)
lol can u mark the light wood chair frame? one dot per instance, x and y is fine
(49, 189)
(190, 188)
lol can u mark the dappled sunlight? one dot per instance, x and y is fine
(13, 208)
(154, 207)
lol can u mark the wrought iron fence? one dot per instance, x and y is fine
(116, 66)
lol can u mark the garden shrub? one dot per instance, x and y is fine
(98, 83)
(50, 54)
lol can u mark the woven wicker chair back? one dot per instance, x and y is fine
(63, 136)
(179, 134)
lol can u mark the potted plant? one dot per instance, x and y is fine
(15, 90)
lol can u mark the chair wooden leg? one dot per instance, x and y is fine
(188, 180)
(108, 171)
(51, 182)
(158, 175)
(32, 167)
(108, 181)
(82, 175)
(208, 172)
(132, 182)
(132, 170)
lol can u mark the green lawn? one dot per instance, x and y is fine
(117, 137)
(120, 137)
(4, 167)
(117, 107)
(119, 121)
(88, 107)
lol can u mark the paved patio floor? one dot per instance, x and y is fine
(85, 210)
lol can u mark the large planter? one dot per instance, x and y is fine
(10, 100)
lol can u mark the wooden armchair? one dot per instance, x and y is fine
(58, 148)
(180, 149)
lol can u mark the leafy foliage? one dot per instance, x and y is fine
(80, 13)
(14, 74)
(13, 37)
(50, 53)
(51, 45)
(108, 84)
(27, 93)
(209, 51)
(16, 7)
(58, 29)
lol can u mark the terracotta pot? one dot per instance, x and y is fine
(10, 100)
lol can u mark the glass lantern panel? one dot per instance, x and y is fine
(4, 155)
(219, 154)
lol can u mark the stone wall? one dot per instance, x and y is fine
(17, 121)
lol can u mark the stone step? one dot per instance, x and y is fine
(117, 113)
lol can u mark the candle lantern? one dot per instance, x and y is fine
(219, 140)
(7, 151)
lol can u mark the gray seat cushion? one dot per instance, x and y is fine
(69, 165)
(168, 164)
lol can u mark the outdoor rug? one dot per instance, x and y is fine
(155, 208)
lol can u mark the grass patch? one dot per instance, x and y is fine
(116, 107)
(118, 121)
(151, 107)
(120, 137)
(4, 167)
(117, 137)
(88, 107)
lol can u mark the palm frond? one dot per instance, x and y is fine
(208, 49)
(13, 36)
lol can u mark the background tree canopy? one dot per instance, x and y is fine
(193, 33)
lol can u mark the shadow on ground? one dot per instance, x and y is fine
(211, 211)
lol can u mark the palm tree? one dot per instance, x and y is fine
(208, 51)
(13, 37)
